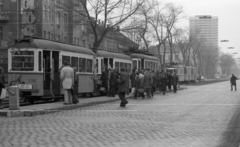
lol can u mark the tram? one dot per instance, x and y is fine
(185, 73)
(143, 61)
(33, 66)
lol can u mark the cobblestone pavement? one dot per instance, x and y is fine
(195, 117)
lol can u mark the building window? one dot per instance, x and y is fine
(44, 11)
(49, 37)
(77, 41)
(52, 37)
(65, 39)
(30, 18)
(58, 38)
(74, 40)
(50, 14)
(44, 34)
(65, 22)
(58, 18)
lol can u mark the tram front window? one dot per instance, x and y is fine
(23, 61)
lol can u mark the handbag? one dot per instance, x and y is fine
(3, 93)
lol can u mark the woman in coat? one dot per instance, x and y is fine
(148, 83)
(67, 78)
(164, 83)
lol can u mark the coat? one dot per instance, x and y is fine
(169, 78)
(104, 79)
(147, 80)
(175, 80)
(2, 83)
(233, 80)
(163, 83)
(67, 77)
(113, 78)
(132, 78)
(123, 82)
(137, 82)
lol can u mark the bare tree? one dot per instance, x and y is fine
(104, 15)
(172, 16)
(138, 28)
(226, 63)
(183, 40)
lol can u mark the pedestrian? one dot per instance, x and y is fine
(104, 79)
(2, 83)
(169, 81)
(132, 78)
(117, 81)
(148, 83)
(67, 78)
(233, 82)
(141, 86)
(112, 83)
(175, 81)
(164, 83)
(123, 87)
(154, 83)
(74, 90)
(138, 86)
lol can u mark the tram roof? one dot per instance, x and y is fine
(107, 54)
(47, 44)
(143, 56)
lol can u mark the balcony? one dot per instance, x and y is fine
(4, 16)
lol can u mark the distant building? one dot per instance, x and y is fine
(114, 41)
(205, 27)
(57, 20)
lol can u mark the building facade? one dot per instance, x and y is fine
(205, 27)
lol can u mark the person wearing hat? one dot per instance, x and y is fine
(67, 78)
(164, 83)
(175, 82)
(123, 87)
(112, 83)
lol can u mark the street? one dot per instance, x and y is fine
(198, 116)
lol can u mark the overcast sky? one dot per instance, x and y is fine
(228, 13)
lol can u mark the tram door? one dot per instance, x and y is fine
(51, 73)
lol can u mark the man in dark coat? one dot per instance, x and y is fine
(233, 82)
(163, 83)
(175, 82)
(147, 82)
(169, 83)
(123, 87)
(132, 78)
(104, 79)
(112, 83)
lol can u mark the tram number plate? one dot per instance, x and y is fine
(24, 86)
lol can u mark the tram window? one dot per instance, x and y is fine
(65, 58)
(74, 63)
(125, 66)
(129, 68)
(121, 65)
(82, 65)
(40, 61)
(117, 66)
(139, 64)
(23, 61)
(134, 64)
(89, 65)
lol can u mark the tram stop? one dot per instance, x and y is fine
(13, 92)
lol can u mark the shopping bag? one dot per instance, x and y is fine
(74, 97)
(3, 94)
(133, 90)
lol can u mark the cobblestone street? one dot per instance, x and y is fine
(195, 117)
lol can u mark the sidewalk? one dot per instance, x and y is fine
(40, 109)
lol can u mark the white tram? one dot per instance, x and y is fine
(185, 73)
(142, 61)
(33, 65)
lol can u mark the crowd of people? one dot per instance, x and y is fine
(143, 82)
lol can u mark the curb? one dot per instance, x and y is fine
(31, 113)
